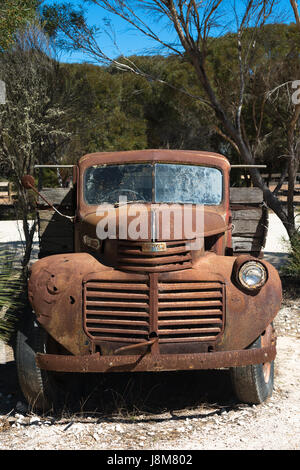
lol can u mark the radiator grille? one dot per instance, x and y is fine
(190, 311)
(184, 311)
(116, 311)
(131, 257)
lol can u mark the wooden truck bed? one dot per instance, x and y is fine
(249, 214)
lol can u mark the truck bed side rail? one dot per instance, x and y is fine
(250, 220)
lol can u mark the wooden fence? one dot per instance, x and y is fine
(5, 192)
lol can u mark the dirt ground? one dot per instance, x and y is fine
(165, 411)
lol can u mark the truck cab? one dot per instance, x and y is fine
(152, 279)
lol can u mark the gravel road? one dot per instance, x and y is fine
(167, 411)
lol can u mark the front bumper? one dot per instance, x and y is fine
(156, 363)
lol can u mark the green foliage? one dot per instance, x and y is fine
(272, 61)
(12, 295)
(14, 14)
(105, 109)
(105, 115)
(292, 268)
(32, 121)
(115, 110)
(50, 178)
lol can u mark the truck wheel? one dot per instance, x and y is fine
(38, 386)
(254, 384)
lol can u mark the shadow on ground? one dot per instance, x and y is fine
(10, 392)
(16, 249)
(125, 395)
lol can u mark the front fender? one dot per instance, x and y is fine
(247, 314)
(55, 294)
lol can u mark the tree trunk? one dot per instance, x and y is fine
(28, 231)
(29, 234)
(293, 165)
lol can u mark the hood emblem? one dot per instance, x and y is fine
(154, 247)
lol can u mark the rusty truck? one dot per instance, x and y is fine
(147, 301)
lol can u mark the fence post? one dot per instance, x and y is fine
(2, 92)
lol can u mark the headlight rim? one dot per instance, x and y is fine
(256, 263)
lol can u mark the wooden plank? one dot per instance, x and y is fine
(57, 197)
(249, 219)
(50, 215)
(273, 175)
(54, 225)
(248, 228)
(56, 233)
(51, 223)
(241, 244)
(246, 196)
(254, 213)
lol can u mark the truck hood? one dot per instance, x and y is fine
(152, 221)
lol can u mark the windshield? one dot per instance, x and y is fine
(159, 183)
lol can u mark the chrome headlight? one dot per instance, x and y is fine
(93, 243)
(252, 275)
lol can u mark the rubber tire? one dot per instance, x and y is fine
(36, 384)
(249, 382)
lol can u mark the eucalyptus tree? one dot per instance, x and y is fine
(32, 119)
(192, 30)
(14, 14)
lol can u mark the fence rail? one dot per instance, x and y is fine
(5, 192)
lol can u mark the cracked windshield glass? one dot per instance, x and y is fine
(159, 183)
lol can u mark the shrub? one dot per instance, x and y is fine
(12, 295)
(292, 268)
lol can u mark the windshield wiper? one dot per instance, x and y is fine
(125, 203)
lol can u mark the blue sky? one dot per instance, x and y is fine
(130, 42)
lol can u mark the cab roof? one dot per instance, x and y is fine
(159, 155)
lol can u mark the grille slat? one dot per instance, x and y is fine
(177, 256)
(200, 307)
(173, 286)
(116, 311)
(170, 251)
(190, 295)
(191, 303)
(187, 339)
(116, 286)
(99, 303)
(113, 295)
(197, 313)
(155, 260)
(189, 331)
(118, 322)
(156, 269)
(117, 330)
(196, 321)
